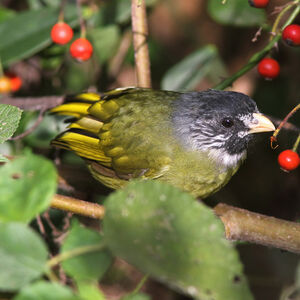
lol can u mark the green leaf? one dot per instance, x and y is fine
(138, 296)
(116, 11)
(3, 158)
(5, 14)
(167, 234)
(23, 256)
(9, 120)
(46, 291)
(27, 186)
(89, 291)
(29, 32)
(187, 74)
(105, 41)
(90, 266)
(236, 13)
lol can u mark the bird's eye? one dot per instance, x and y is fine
(227, 122)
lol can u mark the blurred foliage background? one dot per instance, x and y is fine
(193, 45)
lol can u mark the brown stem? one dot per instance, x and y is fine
(244, 225)
(140, 34)
(76, 206)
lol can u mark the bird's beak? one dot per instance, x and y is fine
(261, 124)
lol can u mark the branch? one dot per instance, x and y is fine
(244, 225)
(254, 60)
(33, 103)
(140, 34)
(76, 206)
(240, 224)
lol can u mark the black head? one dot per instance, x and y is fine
(220, 122)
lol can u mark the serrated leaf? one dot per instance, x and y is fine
(167, 234)
(46, 291)
(9, 120)
(187, 74)
(105, 41)
(23, 256)
(90, 266)
(236, 13)
(27, 186)
(28, 32)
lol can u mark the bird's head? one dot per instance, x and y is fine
(220, 123)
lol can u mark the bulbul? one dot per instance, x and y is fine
(193, 140)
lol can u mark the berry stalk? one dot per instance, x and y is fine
(254, 60)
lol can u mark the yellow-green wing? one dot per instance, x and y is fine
(124, 133)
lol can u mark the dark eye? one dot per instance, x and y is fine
(227, 122)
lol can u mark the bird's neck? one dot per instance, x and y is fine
(224, 160)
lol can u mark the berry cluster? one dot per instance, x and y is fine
(81, 49)
(10, 83)
(269, 68)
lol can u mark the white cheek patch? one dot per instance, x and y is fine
(226, 160)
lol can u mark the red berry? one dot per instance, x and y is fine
(61, 33)
(288, 160)
(5, 85)
(268, 68)
(291, 35)
(15, 81)
(258, 3)
(81, 49)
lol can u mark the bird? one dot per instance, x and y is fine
(195, 141)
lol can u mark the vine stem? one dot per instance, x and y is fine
(253, 61)
(279, 17)
(73, 253)
(140, 34)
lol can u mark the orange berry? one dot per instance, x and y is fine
(5, 85)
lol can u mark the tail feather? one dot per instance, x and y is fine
(76, 106)
(84, 145)
(82, 135)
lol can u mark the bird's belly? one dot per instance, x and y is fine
(197, 175)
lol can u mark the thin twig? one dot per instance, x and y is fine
(244, 225)
(31, 129)
(73, 253)
(33, 103)
(140, 34)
